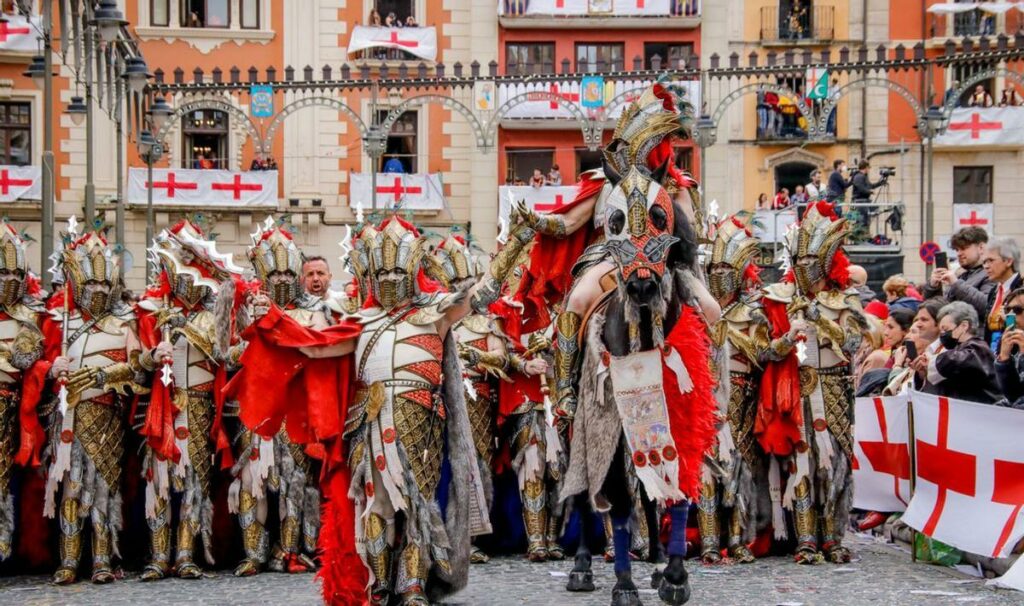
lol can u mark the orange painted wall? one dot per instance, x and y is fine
(565, 41)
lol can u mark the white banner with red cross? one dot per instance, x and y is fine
(419, 41)
(18, 33)
(397, 190)
(190, 187)
(650, 8)
(546, 100)
(973, 215)
(20, 183)
(881, 454)
(540, 199)
(975, 126)
(969, 489)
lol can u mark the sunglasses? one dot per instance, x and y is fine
(1016, 309)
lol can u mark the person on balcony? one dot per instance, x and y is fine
(537, 180)
(980, 97)
(375, 20)
(394, 165)
(1010, 96)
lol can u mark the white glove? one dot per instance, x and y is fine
(60, 366)
(164, 351)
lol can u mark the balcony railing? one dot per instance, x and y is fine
(802, 26)
(783, 121)
(976, 23)
(607, 8)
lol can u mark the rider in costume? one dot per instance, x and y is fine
(805, 410)
(22, 371)
(183, 421)
(383, 535)
(92, 343)
(733, 477)
(278, 464)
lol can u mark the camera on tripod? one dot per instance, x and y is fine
(887, 171)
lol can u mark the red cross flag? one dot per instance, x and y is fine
(977, 126)
(184, 187)
(406, 191)
(973, 215)
(540, 199)
(20, 183)
(20, 34)
(881, 463)
(970, 474)
(418, 41)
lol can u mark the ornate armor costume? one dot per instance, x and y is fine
(733, 477)
(21, 347)
(278, 464)
(93, 338)
(812, 430)
(182, 422)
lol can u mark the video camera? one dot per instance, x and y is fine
(887, 171)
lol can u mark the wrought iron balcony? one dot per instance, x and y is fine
(557, 14)
(805, 26)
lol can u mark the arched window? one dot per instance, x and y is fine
(205, 138)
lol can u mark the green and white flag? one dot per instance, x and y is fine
(818, 78)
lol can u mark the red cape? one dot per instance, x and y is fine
(279, 384)
(779, 408)
(33, 385)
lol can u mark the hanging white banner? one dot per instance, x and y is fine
(881, 468)
(969, 489)
(20, 182)
(20, 34)
(540, 199)
(973, 215)
(618, 8)
(190, 187)
(419, 41)
(974, 126)
(397, 190)
(556, 99)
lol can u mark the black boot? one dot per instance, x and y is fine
(625, 592)
(674, 588)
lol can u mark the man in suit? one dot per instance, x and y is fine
(1001, 260)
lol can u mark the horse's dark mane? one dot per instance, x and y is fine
(684, 252)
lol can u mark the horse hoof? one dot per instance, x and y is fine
(582, 580)
(625, 593)
(656, 577)
(673, 594)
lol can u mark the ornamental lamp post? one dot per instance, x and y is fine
(705, 134)
(151, 151)
(159, 113)
(108, 20)
(936, 121)
(136, 73)
(77, 110)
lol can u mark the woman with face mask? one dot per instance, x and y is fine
(966, 368)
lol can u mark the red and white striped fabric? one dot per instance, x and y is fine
(204, 187)
(969, 489)
(881, 464)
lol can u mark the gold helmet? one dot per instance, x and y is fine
(814, 244)
(453, 264)
(732, 252)
(358, 260)
(92, 271)
(190, 260)
(277, 261)
(395, 256)
(660, 112)
(13, 264)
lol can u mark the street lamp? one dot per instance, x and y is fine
(136, 73)
(935, 123)
(37, 71)
(705, 133)
(159, 113)
(77, 110)
(150, 150)
(109, 20)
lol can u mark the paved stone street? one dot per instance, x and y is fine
(883, 575)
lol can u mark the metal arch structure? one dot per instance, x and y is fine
(444, 101)
(996, 72)
(830, 104)
(762, 87)
(591, 133)
(213, 104)
(304, 102)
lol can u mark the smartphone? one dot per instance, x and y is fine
(911, 350)
(941, 260)
(1011, 321)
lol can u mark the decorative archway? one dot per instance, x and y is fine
(830, 104)
(996, 72)
(447, 102)
(304, 102)
(764, 87)
(219, 105)
(591, 133)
